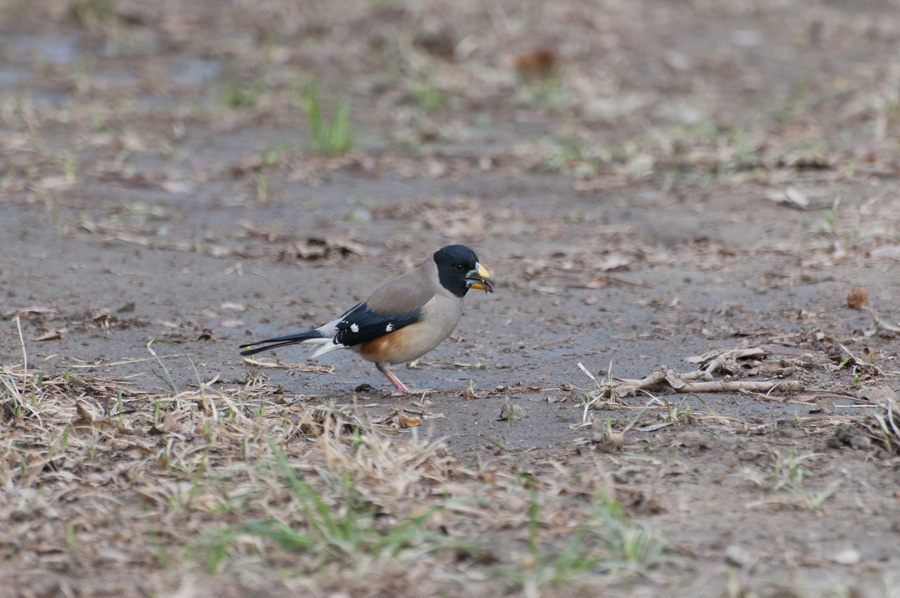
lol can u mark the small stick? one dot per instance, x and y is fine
(583, 369)
(678, 384)
(652, 379)
(740, 385)
(24, 356)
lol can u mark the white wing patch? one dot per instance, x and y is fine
(390, 327)
(355, 328)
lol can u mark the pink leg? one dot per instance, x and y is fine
(385, 368)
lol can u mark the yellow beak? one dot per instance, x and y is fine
(479, 278)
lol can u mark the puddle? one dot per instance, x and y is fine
(50, 100)
(193, 71)
(55, 49)
(10, 78)
(115, 79)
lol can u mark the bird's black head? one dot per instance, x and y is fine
(459, 270)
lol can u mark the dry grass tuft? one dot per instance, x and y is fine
(883, 422)
(225, 485)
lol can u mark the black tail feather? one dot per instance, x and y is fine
(279, 341)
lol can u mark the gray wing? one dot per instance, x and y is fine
(406, 293)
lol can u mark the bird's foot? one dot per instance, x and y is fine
(401, 388)
(410, 391)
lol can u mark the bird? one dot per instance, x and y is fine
(403, 319)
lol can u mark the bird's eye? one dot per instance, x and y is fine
(460, 267)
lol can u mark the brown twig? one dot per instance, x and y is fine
(663, 380)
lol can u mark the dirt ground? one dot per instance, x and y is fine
(647, 181)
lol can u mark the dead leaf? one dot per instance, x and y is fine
(50, 335)
(826, 405)
(408, 422)
(509, 411)
(607, 441)
(171, 423)
(504, 409)
(540, 62)
(177, 187)
(25, 312)
(613, 262)
(846, 556)
(100, 314)
(84, 414)
(791, 197)
(737, 555)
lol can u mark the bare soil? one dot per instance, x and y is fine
(686, 177)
